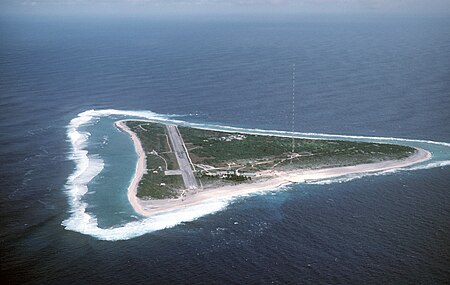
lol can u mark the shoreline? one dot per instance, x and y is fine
(141, 167)
(271, 180)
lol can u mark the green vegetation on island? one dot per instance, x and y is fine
(222, 157)
(258, 152)
(221, 153)
(155, 183)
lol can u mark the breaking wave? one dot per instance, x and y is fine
(88, 166)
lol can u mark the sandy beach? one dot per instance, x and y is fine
(141, 168)
(266, 180)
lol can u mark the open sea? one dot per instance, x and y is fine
(65, 169)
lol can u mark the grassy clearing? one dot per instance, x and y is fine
(250, 153)
(220, 154)
(155, 184)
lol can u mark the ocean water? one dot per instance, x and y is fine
(357, 76)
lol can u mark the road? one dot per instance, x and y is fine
(179, 149)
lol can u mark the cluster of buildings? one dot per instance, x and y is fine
(229, 138)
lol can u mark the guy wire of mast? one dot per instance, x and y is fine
(293, 109)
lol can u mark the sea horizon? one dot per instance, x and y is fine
(65, 81)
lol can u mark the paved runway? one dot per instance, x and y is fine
(182, 157)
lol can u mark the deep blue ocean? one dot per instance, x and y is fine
(378, 76)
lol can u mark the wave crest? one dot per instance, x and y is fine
(89, 166)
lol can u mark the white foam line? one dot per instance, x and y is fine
(435, 164)
(290, 134)
(386, 172)
(89, 166)
(304, 135)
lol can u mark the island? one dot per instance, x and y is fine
(180, 166)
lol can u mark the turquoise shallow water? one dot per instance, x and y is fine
(379, 76)
(107, 196)
(105, 206)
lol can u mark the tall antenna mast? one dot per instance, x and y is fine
(293, 111)
(293, 106)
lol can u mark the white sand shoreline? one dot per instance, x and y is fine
(269, 180)
(141, 167)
